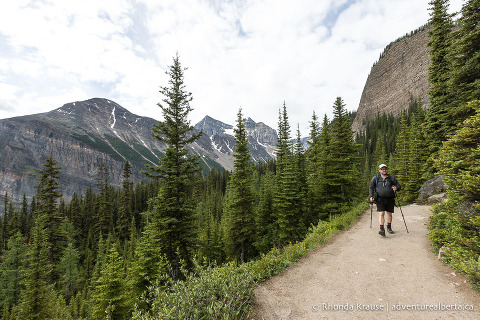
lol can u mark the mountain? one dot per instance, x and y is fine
(81, 135)
(399, 77)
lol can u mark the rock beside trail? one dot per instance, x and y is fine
(434, 187)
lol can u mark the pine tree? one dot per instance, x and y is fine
(313, 170)
(416, 159)
(301, 184)
(110, 294)
(50, 218)
(70, 278)
(324, 168)
(173, 207)
(12, 270)
(439, 123)
(104, 215)
(126, 199)
(342, 176)
(148, 264)
(465, 56)
(239, 207)
(459, 161)
(265, 214)
(289, 222)
(36, 299)
(401, 169)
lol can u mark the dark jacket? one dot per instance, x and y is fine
(383, 188)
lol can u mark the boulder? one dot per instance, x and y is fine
(432, 187)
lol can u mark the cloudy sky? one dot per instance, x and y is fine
(253, 54)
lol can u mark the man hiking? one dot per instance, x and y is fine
(383, 186)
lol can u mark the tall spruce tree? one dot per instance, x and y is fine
(289, 222)
(439, 123)
(12, 271)
(401, 169)
(465, 56)
(173, 207)
(265, 214)
(313, 161)
(50, 218)
(126, 202)
(37, 297)
(301, 183)
(239, 207)
(110, 297)
(324, 168)
(342, 178)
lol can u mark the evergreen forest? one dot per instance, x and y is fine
(187, 245)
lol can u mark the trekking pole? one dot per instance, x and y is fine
(401, 211)
(371, 211)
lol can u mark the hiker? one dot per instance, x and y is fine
(383, 186)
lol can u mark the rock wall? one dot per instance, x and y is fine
(399, 77)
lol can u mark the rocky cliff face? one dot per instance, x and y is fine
(399, 77)
(82, 135)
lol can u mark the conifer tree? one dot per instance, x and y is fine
(465, 56)
(50, 218)
(265, 214)
(416, 159)
(313, 169)
(110, 294)
(459, 160)
(70, 278)
(342, 176)
(126, 201)
(36, 299)
(289, 222)
(439, 123)
(173, 207)
(301, 183)
(12, 271)
(239, 207)
(104, 214)
(324, 168)
(401, 169)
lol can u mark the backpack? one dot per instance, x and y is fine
(375, 197)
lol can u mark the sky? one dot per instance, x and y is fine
(250, 54)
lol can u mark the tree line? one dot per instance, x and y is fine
(106, 252)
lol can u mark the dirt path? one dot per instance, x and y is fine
(359, 270)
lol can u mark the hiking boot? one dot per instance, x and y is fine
(389, 229)
(382, 232)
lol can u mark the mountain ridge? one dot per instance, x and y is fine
(81, 135)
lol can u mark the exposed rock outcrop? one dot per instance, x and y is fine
(81, 135)
(399, 77)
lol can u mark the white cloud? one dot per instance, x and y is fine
(253, 54)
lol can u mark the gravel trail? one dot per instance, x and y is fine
(362, 275)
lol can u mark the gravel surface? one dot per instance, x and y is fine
(362, 275)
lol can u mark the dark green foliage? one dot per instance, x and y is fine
(465, 55)
(36, 299)
(51, 220)
(11, 271)
(459, 227)
(69, 272)
(208, 292)
(439, 123)
(286, 201)
(342, 174)
(124, 219)
(239, 202)
(172, 213)
(110, 296)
